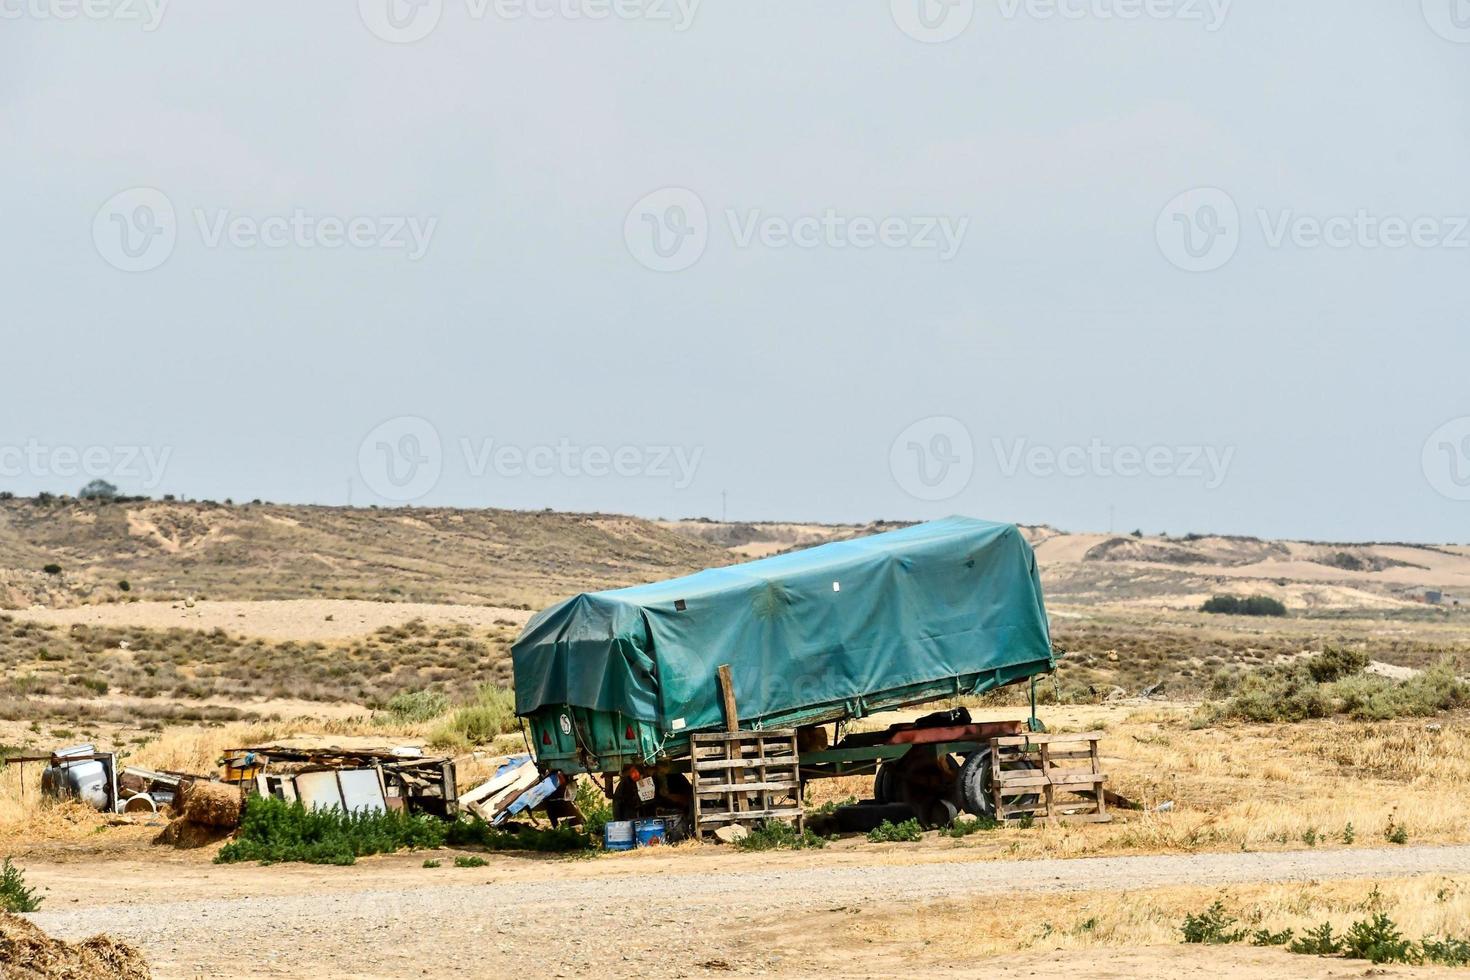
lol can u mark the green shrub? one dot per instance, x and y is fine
(273, 830)
(125, 586)
(478, 833)
(1446, 952)
(469, 862)
(596, 809)
(492, 713)
(773, 835)
(888, 832)
(1256, 605)
(1265, 937)
(1395, 833)
(1378, 940)
(411, 707)
(51, 569)
(1317, 942)
(1332, 683)
(964, 827)
(430, 863)
(1212, 926)
(14, 895)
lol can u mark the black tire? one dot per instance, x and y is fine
(940, 814)
(973, 785)
(885, 783)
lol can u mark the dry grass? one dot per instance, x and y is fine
(1422, 906)
(1251, 787)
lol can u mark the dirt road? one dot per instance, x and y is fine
(681, 913)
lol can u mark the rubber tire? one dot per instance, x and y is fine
(885, 783)
(973, 785)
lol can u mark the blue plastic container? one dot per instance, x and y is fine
(650, 833)
(617, 835)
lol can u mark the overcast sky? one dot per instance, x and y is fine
(1179, 265)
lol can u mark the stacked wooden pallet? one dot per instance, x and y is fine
(1048, 778)
(745, 778)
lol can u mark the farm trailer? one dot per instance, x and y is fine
(619, 682)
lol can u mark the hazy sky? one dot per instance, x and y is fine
(1173, 264)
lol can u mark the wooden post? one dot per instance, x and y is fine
(727, 696)
(735, 802)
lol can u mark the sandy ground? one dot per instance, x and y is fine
(303, 620)
(681, 912)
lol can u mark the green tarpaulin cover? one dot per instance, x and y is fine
(932, 602)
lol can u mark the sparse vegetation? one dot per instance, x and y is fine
(1213, 926)
(887, 832)
(1331, 683)
(491, 713)
(773, 835)
(471, 861)
(478, 833)
(14, 895)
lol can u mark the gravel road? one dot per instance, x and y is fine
(566, 918)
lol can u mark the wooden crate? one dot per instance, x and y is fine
(745, 778)
(1061, 772)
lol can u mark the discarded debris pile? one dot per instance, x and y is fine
(27, 953)
(517, 787)
(351, 778)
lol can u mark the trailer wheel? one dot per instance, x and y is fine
(885, 783)
(974, 787)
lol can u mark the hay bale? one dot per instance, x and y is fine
(186, 835)
(211, 804)
(27, 953)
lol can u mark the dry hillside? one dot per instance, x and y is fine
(167, 550)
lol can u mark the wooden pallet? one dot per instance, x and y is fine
(745, 778)
(1049, 778)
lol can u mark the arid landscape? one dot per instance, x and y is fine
(1299, 769)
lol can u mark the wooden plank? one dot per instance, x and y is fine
(706, 764)
(713, 738)
(763, 786)
(750, 815)
(1044, 739)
